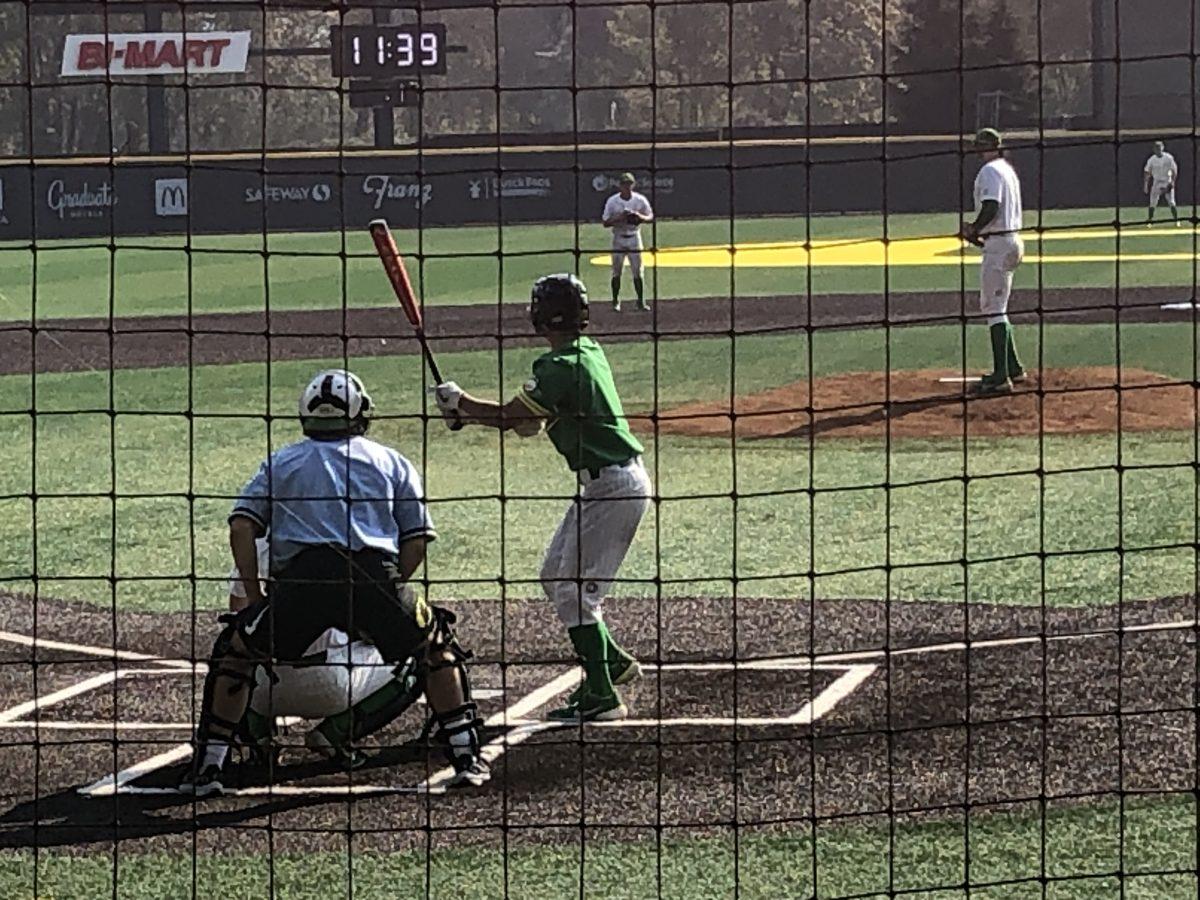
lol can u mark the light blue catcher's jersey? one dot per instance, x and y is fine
(350, 492)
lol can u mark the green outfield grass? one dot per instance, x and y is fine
(152, 456)
(1084, 849)
(232, 273)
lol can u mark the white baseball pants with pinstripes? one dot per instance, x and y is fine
(592, 540)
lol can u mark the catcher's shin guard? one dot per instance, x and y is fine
(459, 729)
(211, 725)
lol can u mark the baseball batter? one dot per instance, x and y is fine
(1161, 174)
(625, 213)
(572, 395)
(997, 229)
(346, 684)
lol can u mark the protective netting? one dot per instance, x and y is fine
(895, 637)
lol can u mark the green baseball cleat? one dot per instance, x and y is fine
(591, 708)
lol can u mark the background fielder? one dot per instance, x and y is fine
(997, 229)
(625, 212)
(1160, 175)
(573, 395)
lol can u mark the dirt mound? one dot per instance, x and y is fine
(917, 404)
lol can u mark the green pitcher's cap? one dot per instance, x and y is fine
(626, 178)
(989, 138)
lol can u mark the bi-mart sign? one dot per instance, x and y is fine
(156, 53)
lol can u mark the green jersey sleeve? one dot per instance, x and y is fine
(547, 390)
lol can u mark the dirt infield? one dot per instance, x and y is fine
(1045, 704)
(71, 345)
(917, 404)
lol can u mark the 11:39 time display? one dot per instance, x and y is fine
(386, 52)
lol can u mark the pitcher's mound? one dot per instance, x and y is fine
(916, 404)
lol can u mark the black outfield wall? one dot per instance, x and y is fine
(454, 187)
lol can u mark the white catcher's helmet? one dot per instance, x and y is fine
(335, 400)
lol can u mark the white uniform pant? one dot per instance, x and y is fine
(351, 672)
(627, 247)
(1002, 253)
(592, 540)
(1161, 189)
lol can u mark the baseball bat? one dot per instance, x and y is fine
(393, 265)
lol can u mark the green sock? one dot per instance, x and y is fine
(355, 723)
(1014, 363)
(999, 335)
(616, 289)
(614, 652)
(589, 643)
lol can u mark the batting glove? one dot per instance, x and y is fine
(447, 395)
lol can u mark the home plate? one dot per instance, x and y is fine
(960, 379)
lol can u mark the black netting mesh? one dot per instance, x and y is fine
(896, 636)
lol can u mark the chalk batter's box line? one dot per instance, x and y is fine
(518, 730)
(517, 714)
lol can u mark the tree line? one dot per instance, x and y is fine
(918, 65)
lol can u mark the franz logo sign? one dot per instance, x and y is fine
(170, 196)
(388, 188)
(82, 202)
(320, 192)
(156, 53)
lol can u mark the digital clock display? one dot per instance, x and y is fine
(386, 52)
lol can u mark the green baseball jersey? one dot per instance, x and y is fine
(573, 388)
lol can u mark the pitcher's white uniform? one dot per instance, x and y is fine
(1163, 172)
(1003, 248)
(626, 236)
(342, 672)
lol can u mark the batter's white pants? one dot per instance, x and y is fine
(1161, 190)
(1002, 253)
(627, 247)
(592, 540)
(351, 672)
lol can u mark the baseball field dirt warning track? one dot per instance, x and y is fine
(849, 709)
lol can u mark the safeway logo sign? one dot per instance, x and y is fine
(156, 53)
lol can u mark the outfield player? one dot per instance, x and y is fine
(997, 229)
(572, 395)
(348, 527)
(345, 684)
(1160, 175)
(625, 213)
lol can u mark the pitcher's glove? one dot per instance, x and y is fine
(970, 235)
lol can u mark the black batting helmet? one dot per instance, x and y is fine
(558, 303)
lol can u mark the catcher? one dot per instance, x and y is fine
(346, 684)
(348, 527)
(572, 395)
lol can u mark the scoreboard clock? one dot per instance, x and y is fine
(386, 53)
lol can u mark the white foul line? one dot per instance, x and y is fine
(88, 684)
(962, 646)
(495, 748)
(105, 652)
(111, 784)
